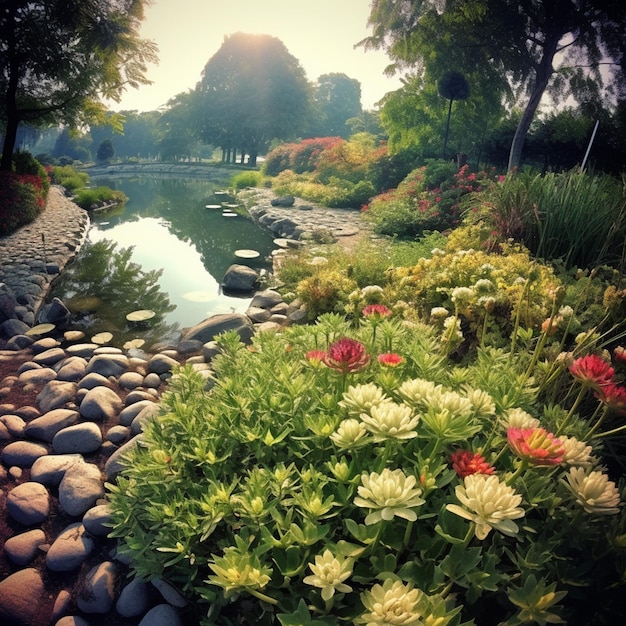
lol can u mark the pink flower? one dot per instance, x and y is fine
(614, 396)
(315, 356)
(466, 462)
(376, 311)
(619, 354)
(346, 355)
(390, 359)
(592, 370)
(536, 445)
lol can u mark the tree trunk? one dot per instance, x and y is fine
(10, 96)
(445, 143)
(10, 133)
(542, 77)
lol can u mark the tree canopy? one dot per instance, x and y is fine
(59, 58)
(252, 91)
(336, 98)
(533, 45)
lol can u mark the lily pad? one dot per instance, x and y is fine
(247, 254)
(102, 338)
(73, 335)
(228, 214)
(41, 329)
(198, 296)
(134, 344)
(213, 206)
(141, 315)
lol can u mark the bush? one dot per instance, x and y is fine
(22, 199)
(243, 180)
(99, 196)
(69, 178)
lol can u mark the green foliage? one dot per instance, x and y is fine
(298, 492)
(99, 196)
(574, 217)
(243, 180)
(24, 163)
(105, 151)
(69, 177)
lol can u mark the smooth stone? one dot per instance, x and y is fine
(80, 488)
(129, 413)
(257, 314)
(22, 453)
(27, 412)
(28, 503)
(98, 592)
(240, 278)
(72, 369)
(96, 519)
(14, 424)
(49, 357)
(266, 299)
(27, 366)
(144, 416)
(93, 380)
(43, 344)
(84, 350)
(37, 376)
(138, 395)
(215, 325)
(62, 604)
(161, 615)
(80, 438)
(100, 404)
(152, 380)
(169, 594)
(108, 365)
(72, 620)
(130, 380)
(49, 470)
(21, 549)
(11, 327)
(70, 549)
(48, 425)
(20, 598)
(117, 434)
(135, 598)
(115, 463)
(161, 364)
(55, 394)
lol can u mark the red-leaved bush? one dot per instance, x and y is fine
(22, 199)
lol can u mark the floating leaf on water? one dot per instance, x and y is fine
(213, 206)
(84, 304)
(102, 338)
(73, 335)
(230, 205)
(141, 315)
(41, 329)
(229, 214)
(220, 193)
(247, 254)
(134, 344)
(198, 296)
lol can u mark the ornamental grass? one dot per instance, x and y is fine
(308, 481)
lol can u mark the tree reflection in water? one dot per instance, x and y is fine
(105, 286)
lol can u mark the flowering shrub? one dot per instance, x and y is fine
(314, 484)
(22, 198)
(299, 157)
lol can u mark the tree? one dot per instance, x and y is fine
(337, 98)
(105, 151)
(536, 44)
(252, 91)
(452, 86)
(59, 58)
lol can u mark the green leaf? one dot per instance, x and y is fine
(302, 617)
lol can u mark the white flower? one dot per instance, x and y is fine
(488, 503)
(318, 260)
(416, 391)
(390, 420)
(389, 494)
(349, 434)
(481, 401)
(371, 291)
(483, 285)
(518, 418)
(456, 404)
(329, 574)
(594, 492)
(392, 603)
(577, 453)
(439, 313)
(566, 312)
(463, 295)
(361, 398)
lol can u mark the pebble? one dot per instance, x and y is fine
(80, 488)
(20, 597)
(28, 503)
(70, 549)
(77, 439)
(22, 548)
(98, 593)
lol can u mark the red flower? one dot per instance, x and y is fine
(536, 445)
(614, 396)
(390, 359)
(346, 355)
(315, 356)
(466, 462)
(376, 311)
(592, 370)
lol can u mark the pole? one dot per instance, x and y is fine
(593, 135)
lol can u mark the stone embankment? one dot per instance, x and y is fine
(68, 412)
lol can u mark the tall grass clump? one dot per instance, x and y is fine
(575, 217)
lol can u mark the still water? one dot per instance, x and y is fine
(163, 251)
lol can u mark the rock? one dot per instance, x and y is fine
(283, 201)
(108, 365)
(266, 299)
(98, 592)
(49, 357)
(84, 350)
(152, 381)
(12, 327)
(38, 376)
(19, 342)
(21, 549)
(55, 394)
(169, 594)
(100, 404)
(70, 549)
(80, 438)
(8, 303)
(46, 343)
(161, 364)
(117, 434)
(80, 487)
(22, 453)
(72, 620)
(130, 380)
(20, 598)
(130, 412)
(114, 464)
(257, 314)
(96, 519)
(135, 598)
(72, 369)
(94, 380)
(161, 615)
(49, 470)
(239, 278)
(146, 414)
(55, 312)
(28, 503)
(206, 330)
(48, 425)
(14, 424)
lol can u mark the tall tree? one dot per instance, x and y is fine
(337, 98)
(252, 91)
(59, 58)
(536, 44)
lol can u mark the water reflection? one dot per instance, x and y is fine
(168, 230)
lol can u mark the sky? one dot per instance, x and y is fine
(319, 33)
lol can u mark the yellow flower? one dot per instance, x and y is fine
(390, 420)
(350, 434)
(361, 398)
(594, 492)
(488, 503)
(389, 494)
(329, 574)
(392, 603)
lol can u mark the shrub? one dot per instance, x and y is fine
(99, 196)
(69, 177)
(22, 199)
(244, 180)
(333, 473)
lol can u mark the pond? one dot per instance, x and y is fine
(163, 251)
